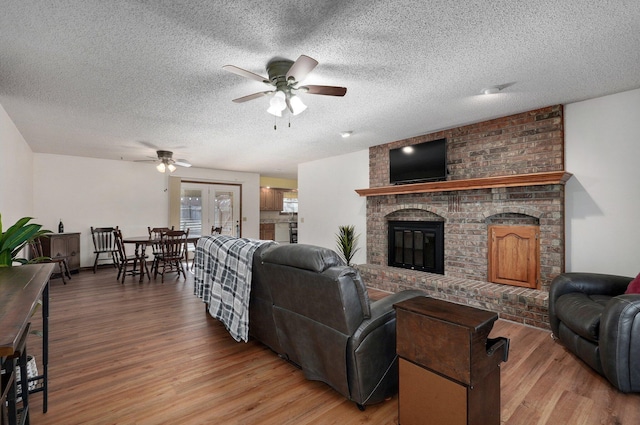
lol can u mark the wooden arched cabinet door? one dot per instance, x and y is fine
(514, 253)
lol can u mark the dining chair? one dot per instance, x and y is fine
(173, 245)
(37, 256)
(156, 233)
(123, 259)
(104, 243)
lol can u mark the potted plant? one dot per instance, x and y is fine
(15, 238)
(347, 241)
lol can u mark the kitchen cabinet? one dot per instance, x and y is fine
(63, 245)
(270, 199)
(268, 231)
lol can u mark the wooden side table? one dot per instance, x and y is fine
(448, 368)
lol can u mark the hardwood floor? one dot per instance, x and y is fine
(149, 354)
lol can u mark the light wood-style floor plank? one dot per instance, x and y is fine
(149, 354)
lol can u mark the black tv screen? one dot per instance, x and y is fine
(424, 162)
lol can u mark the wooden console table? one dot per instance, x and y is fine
(63, 245)
(449, 369)
(20, 289)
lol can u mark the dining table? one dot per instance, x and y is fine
(142, 242)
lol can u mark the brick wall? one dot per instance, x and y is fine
(531, 142)
(525, 143)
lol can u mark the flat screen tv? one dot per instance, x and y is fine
(424, 162)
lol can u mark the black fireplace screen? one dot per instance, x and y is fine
(417, 245)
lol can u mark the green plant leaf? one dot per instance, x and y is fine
(347, 241)
(15, 238)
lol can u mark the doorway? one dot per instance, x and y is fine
(207, 205)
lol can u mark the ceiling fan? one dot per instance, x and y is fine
(285, 77)
(166, 162)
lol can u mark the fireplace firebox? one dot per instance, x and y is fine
(417, 245)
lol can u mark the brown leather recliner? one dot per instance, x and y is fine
(590, 315)
(313, 310)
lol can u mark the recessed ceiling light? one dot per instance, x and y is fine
(346, 134)
(491, 90)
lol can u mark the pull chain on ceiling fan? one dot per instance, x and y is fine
(285, 75)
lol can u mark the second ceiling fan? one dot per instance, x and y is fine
(285, 76)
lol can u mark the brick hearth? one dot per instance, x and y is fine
(531, 142)
(527, 306)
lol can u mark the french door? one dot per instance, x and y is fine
(204, 206)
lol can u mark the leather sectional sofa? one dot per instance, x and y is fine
(590, 314)
(313, 310)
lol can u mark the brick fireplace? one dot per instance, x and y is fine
(509, 172)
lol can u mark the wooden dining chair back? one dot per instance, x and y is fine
(156, 233)
(104, 244)
(127, 264)
(173, 246)
(37, 256)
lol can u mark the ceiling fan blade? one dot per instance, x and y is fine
(182, 162)
(325, 90)
(252, 96)
(244, 73)
(148, 145)
(301, 68)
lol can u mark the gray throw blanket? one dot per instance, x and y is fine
(223, 279)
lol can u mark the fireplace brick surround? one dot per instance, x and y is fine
(526, 143)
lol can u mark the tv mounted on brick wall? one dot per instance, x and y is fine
(424, 162)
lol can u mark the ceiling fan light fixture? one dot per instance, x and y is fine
(277, 104)
(274, 111)
(166, 163)
(279, 98)
(297, 106)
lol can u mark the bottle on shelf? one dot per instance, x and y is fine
(60, 227)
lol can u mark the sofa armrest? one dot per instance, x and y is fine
(372, 360)
(382, 311)
(587, 283)
(620, 342)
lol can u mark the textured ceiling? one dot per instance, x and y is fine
(117, 79)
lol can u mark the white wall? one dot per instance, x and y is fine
(327, 199)
(16, 173)
(602, 141)
(86, 192)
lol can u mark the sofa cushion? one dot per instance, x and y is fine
(634, 286)
(581, 313)
(301, 256)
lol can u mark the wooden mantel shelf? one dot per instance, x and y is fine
(534, 179)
